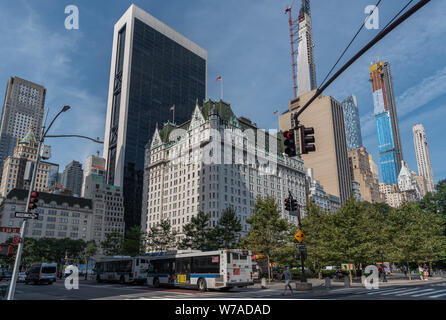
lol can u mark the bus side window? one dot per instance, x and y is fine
(137, 262)
(228, 257)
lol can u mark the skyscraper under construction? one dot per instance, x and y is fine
(389, 140)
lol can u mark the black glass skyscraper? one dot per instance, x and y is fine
(153, 68)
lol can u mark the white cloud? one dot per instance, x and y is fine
(46, 56)
(422, 93)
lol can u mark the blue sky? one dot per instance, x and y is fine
(247, 44)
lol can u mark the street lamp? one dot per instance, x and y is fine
(381, 251)
(43, 134)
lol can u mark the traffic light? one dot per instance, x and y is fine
(287, 204)
(307, 140)
(290, 143)
(33, 200)
(293, 205)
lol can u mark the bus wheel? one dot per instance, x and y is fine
(98, 279)
(202, 285)
(122, 280)
(156, 283)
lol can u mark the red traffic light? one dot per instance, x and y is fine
(33, 200)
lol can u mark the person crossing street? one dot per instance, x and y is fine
(287, 276)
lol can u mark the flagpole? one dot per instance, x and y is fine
(221, 86)
(173, 114)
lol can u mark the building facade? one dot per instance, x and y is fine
(317, 194)
(22, 109)
(389, 140)
(60, 216)
(72, 177)
(17, 169)
(108, 207)
(423, 156)
(93, 165)
(153, 69)
(191, 170)
(306, 70)
(352, 123)
(361, 173)
(394, 197)
(330, 161)
(408, 184)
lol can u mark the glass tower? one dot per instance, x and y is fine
(389, 141)
(153, 69)
(352, 123)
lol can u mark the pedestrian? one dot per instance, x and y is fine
(405, 270)
(287, 277)
(420, 271)
(426, 273)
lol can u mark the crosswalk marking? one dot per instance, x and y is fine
(438, 295)
(424, 294)
(414, 291)
(398, 291)
(386, 291)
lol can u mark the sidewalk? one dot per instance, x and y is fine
(319, 284)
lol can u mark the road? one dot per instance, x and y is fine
(412, 290)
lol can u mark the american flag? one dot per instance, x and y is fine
(218, 79)
(172, 108)
(276, 112)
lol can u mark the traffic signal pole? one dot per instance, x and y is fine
(23, 227)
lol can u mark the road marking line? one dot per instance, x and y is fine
(416, 291)
(438, 295)
(386, 291)
(424, 294)
(399, 291)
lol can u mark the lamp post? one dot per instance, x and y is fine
(31, 187)
(381, 251)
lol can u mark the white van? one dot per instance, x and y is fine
(42, 272)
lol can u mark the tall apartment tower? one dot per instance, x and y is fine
(93, 165)
(306, 70)
(153, 68)
(72, 177)
(423, 156)
(389, 140)
(22, 109)
(330, 161)
(352, 123)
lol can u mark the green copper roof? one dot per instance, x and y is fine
(29, 138)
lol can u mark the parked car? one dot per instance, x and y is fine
(7, 275)
(21, 277)
(42, 272)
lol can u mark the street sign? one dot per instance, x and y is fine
(9, 230)
(26, 215)
(300, 236)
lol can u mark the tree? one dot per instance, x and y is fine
(197, 233)
(406, 230)
(350, 239)
(161, 237)
(316, 228)
(133, 243)
(226, 233)
(112, 243)
(268, 231)
(89, 251)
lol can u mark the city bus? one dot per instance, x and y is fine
(122, 269)
(202, 270)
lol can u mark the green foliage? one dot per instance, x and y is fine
(197, 233)
(226, 233)
(50, 250)
(112, 243)
(133, 243)
(269, 232)
(161, 237)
